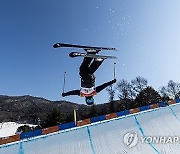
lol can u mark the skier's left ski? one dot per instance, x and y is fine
(58, 45)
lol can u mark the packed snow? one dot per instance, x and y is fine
(10, 128)
(147, 132)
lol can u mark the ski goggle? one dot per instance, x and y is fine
(90, 100)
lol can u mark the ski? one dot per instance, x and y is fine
(58, 45)
(78, 54)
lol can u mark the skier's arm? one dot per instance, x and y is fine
(101, 87)
(73, 92)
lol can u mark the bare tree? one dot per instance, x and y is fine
(111, 92)
(138, 84)
(172, 90)
(163, 93)
(125, 90)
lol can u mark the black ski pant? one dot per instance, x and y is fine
(87, 70)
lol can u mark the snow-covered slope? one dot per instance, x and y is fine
(9, 128)
(161, 128)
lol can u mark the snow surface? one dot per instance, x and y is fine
(10, 128)
(107, 137)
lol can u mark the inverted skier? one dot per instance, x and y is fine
(86, 72)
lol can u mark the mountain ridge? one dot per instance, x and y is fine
(27, 109)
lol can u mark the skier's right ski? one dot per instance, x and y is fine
(78, 54)
(58, 45)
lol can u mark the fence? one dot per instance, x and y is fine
(60, 127)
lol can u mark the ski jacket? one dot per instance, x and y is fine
(91, 92)
(85, 92)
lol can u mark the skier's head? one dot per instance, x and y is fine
(89, 100)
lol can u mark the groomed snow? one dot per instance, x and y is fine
(116, 136)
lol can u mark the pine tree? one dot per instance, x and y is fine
(147, 96)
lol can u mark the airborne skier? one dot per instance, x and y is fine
(86, 71)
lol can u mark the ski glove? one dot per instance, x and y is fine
(63, 95)
(113, 81)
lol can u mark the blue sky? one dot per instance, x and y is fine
(146, 33)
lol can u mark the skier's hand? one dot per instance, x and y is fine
(63, 95)
(114, 81)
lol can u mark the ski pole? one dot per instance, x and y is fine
(64, 81)
(114, 70)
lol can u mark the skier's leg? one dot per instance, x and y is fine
(95, 64)
(87, 79)
(85, 65)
